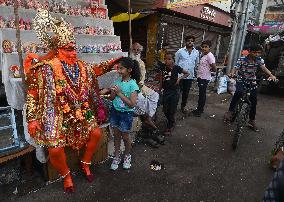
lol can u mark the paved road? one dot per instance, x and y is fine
(199, 162)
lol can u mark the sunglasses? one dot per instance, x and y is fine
(204, 46)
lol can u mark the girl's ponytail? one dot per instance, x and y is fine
(135, 73)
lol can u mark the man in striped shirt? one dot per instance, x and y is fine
(246, 68)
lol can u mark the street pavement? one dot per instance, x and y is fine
(199, 162)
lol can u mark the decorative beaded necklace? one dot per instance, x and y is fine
(73, 77)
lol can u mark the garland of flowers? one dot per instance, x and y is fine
(63, 89)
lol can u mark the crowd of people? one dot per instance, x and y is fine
(63, 107)
(177, 72)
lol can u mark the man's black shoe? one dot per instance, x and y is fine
(184, 110)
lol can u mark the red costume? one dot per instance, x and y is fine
(61, 110)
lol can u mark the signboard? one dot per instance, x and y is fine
(274, 17)
(207, 14)
(272, 23)
(185, 3)
(267, 29)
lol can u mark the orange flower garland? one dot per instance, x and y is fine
(66, 108)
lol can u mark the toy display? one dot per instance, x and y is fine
(32, 47)
(93, 8)
(7, 46)
(15, 71)
(87, 8)
(25, 24)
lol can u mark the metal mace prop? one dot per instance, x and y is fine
(130, 29)
(19, 44)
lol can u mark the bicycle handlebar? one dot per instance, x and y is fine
(252, 79)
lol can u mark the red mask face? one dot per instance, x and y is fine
(68, 53)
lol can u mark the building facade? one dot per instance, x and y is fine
(205, 22)
(170, 26)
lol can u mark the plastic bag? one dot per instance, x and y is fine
(222, 85)
(232, 86)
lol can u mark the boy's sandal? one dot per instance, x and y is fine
(252, 127)
(168, 132)
(160, 139)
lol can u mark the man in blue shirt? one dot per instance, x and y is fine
(187, 58)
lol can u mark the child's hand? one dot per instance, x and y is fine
(178, 81)
(116, 89)
(272, 78)
(104, 91)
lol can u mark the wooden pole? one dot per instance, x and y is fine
(130, 27)
(19, 44)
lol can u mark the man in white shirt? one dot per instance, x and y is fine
(188, 59)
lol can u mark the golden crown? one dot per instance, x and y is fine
(63, 31)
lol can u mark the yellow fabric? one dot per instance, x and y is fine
(161, 55)
(125, 17)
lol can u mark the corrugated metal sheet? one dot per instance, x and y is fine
(174, 36)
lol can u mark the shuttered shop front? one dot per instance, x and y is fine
(176, 29)
(173, 31)
(173, 36)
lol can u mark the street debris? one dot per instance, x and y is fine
(213, 116)
(224, 100)
(156, 165)
(16, 191)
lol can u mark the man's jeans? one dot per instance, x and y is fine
(185, 85)
(202, 85)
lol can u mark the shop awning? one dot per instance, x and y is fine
(125, 17)
(136, 5)
(185, 3)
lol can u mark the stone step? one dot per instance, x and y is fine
(81, 39)
(13, 58)
(8, 11)
(99, 57)
(85, 39)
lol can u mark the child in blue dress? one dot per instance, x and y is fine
(124, 96)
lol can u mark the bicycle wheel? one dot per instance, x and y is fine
(241, 120)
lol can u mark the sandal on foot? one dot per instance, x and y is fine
(168, 132)
(252, 125)
(160, 139)
(151, 143)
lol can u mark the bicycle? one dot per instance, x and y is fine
(241, 112)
